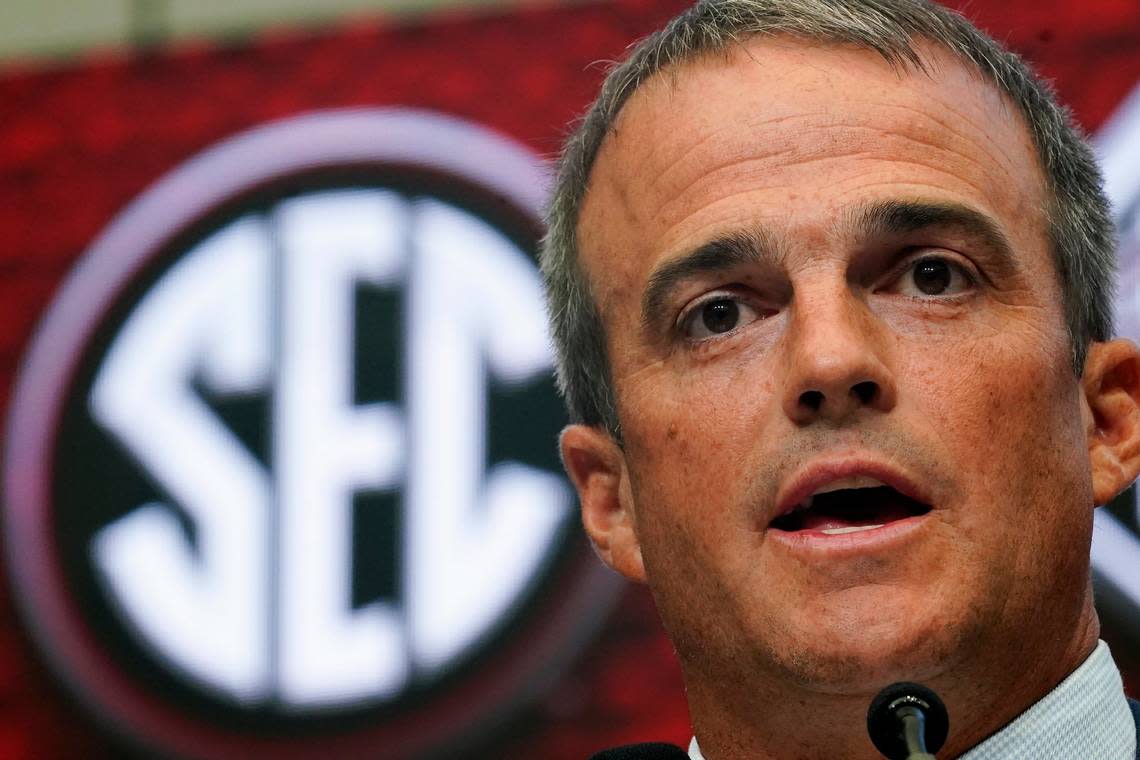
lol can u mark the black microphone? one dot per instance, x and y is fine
(651, 751)
(907, 721)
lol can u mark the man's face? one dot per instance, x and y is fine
(822, 277)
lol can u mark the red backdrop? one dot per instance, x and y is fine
(79, 141)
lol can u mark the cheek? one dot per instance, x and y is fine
(697, 396)
(691, 439)
(1009, 421)
(697, 430)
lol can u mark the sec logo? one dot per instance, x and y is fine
(281, 475)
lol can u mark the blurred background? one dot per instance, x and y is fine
(280, 476)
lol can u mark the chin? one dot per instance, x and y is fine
(860, 651)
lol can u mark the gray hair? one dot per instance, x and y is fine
(1080, 227)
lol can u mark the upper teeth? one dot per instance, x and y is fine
(849, 529)
(850, 482)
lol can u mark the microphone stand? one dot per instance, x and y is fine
(907, 721)
(914, 732)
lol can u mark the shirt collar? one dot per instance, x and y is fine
(1086, 715)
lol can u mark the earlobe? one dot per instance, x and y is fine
(1111, 384)
(596, 466)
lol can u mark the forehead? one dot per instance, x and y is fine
(787, 134)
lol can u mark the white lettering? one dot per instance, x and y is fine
(261, 604)
(326, 448)
(204, 609)
(473, 540)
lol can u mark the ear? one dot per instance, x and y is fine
(1111, 383)
(596, 465)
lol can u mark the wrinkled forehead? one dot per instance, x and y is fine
(772, 116)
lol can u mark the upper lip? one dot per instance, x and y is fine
(816, 476)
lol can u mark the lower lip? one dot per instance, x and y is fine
(877, 539)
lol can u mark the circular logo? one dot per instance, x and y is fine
(281, 475)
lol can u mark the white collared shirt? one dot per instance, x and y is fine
(1085, 716)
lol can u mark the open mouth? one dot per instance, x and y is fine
(850, 510)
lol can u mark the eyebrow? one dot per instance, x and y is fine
(717, 255)
(899, 217)
(876, 219)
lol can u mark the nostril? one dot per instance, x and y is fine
(812, 400)
(865, 391)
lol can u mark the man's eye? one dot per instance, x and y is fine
(716, 317)
(933, 276)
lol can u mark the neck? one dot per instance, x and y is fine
(981, 695)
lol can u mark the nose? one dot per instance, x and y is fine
(836, 365)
